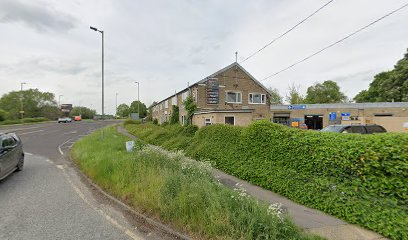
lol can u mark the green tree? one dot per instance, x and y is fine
(3, 115)
(174, 118)
(294, 96)
(276, 98)
(326, 92)
(84, 112)
(191, 107)
(388, 86)
(34, 102)
(135, 106)
(123, 110)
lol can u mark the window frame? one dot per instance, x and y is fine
(262, 96)
(229, 116)
(206, 123)
(240, 94)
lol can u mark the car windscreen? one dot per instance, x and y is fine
(332, 128)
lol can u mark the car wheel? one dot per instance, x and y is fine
(20, 164)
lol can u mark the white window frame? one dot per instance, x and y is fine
(166, 104)
(240, 93)
(183, 119)
(263, 96)
(229, 116)
(209, 122)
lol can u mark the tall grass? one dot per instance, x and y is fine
(179, 191)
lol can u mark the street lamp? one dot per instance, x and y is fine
(59, 100)
(21, 100)
(103, 97)
(138, 100)
(116, 104)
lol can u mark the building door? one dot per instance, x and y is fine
(314, 121)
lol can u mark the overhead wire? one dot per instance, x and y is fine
(336, 42)
(288, 31)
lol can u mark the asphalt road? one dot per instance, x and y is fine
(50, 200)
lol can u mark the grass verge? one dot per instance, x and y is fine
(25, 121)
(178, 191)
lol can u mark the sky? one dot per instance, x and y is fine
(166, 44)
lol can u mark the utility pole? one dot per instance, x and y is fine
(138, 100)
(21, 101)
(59, 100)
(116, 104)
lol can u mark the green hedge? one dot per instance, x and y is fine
(25, 120)
(362, 179)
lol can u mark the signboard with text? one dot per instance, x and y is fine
(345, 116)
(296, 107)
(213, 91)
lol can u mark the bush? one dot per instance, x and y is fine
(179, 191)
(25, 120)
(155, 121)
(131, 121)
(362, 179)
(3, 115)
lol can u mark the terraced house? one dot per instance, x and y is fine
(228, 96)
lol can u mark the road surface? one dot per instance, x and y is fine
(50, 200)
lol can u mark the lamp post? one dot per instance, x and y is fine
(21, 101)
(138, 100)
(116, 104)
(103, 97)
(59, 100)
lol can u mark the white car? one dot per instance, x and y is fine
(64, 120)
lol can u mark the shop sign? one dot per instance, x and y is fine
(296, 107)
(332, 116)
(213, 91)
(345, 116)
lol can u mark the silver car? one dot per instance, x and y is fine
(11, 154)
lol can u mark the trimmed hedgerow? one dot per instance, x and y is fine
(362, 179)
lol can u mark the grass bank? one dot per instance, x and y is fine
(362, 179)
(178, 191)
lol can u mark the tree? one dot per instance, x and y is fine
(3, 115)
(388, 86)
(174, 118)
(84, 112)
(135, 106)
(294, 96)
(276, 98)
(34, 102)
(123, 110)
(326, 92)
(191, 107)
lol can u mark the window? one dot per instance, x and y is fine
(230, 120)
(184, 95)
(183, 120)
(207, 121)
(166, 104)
(257, 98)
(375, 129)
(174, 101)
(233, 97)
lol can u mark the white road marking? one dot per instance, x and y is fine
(28, 154)
(20, 129)
(60, 167)
(48, 161)
(73, 132)
(30, 132)
(62, 144)
(100, 211)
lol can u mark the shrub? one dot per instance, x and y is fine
(362, 179)
(131, 121)
(155, 121)
(3, 115)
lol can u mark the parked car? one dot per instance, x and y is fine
(64, 120)
(77, 118)
(11, 154)
(362, 129)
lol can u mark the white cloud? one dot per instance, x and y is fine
(166, 44)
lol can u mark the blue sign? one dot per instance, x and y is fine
(332, 116)
(345, 114)
(296, 107)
